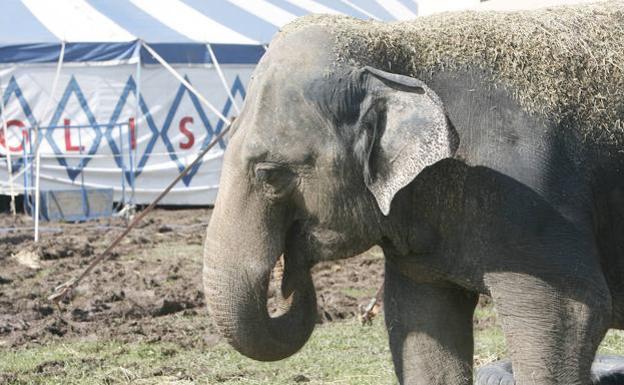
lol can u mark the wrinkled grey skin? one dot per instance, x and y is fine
(466, 194)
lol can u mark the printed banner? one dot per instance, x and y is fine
(97, 133)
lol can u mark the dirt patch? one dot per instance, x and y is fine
(150, 290)
(50, 367)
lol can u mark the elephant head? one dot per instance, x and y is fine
(315, 159)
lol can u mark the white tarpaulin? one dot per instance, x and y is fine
(96, 131)
(72, 69)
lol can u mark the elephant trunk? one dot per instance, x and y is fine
(237, 265)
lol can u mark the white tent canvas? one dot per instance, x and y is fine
(83, 82)
(85, 91)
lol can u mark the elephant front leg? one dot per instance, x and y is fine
(430, 330)
(552, 330)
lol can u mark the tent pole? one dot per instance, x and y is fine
(213, 57)
(27, 166)
(135, 134)
(123, 165)
(186, 84)
(37, 143)
(83, 190)
(8, 157)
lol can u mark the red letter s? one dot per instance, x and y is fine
(186, 132)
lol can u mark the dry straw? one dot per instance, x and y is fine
(564, 63)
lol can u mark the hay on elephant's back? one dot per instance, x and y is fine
(564, 63)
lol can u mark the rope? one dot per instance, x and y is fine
(213, 57)
(65, 289)
(185, 82)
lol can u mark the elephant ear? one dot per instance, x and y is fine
(404, 129)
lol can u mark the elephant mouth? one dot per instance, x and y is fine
(281, 288)
(292, 264)
(309, 242)
(286, 281)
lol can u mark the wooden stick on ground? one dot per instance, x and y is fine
(373, 308)
(62, 291)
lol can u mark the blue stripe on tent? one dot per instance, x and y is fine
(100, 51)
(30, 53)
(137, 22)
(342, 7)
(235, 18)
(74, 52)
(174, 53)
(238, 54)
(19, 26)
(31, 42)
(374, 8)
(289, 7)
(412, 5)
(198, 53)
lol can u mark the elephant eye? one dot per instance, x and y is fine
(276, 179)
(267, 172)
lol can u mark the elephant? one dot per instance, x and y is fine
(483, 152)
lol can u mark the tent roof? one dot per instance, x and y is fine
(109, 30)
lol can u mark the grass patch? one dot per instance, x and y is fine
(338, 353)
(360, 292)
(613, 343)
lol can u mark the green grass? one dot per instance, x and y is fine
(613, 343)
(338, 353)
(359, 292)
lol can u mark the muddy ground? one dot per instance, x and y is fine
(150, 290)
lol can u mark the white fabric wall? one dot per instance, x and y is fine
(102, 88)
